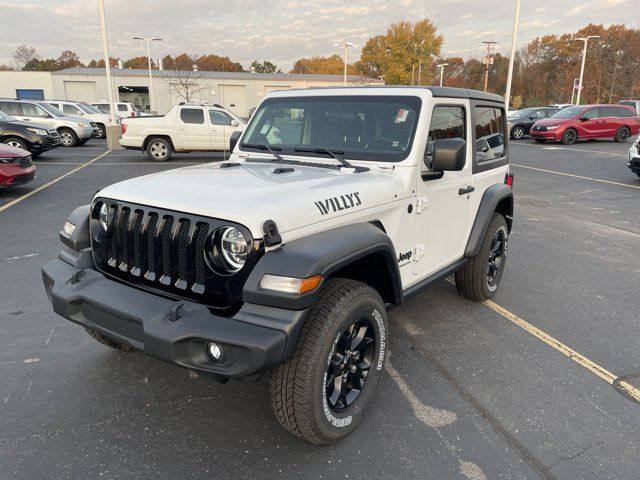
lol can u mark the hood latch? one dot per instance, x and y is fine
(271, 235)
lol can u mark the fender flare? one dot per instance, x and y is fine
(324, 253)
(498, 197)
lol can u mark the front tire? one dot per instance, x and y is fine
(159, 149)
(480, 277)
(569, 137)
(68, 137)
(16, 142)
(109, 342)
(102, 131)
(321, 393)
(622, 135)
(517, 133)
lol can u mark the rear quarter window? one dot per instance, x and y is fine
(192, 115)
(11, 108)
(625, 112)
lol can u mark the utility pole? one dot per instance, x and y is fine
(149, 40)
(346, 46)
(487, 61)
(107, 64)
(441, 67)
(512, 58)
(584, 57)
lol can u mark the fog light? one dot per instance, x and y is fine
(68, 228)
(215, 351)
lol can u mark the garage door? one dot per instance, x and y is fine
(80, 91)
(234, 97)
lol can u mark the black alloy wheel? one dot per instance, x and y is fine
(622, 135)
(569, 136)
(350, 363)
(496, 259)
(517, 133)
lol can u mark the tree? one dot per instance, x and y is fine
(516, 102)
(333, 65)
(184, 62)
(68, 59)
(216, 63)
(168, 63)
(113, 63)
(38, 65)
(5, 67)
(23, 55)
(139, 62)
(399, 53)
(264, 67)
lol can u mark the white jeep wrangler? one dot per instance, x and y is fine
(335, 206)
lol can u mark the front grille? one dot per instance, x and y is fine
(26, 162)
(27, 177)
(164, 251)
(54, 133)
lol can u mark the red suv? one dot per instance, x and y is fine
(588, 121)
(16, 167)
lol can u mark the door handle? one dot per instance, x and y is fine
(464, 191)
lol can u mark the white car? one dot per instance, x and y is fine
(284, 259)
(185, 128)
(123, 109)
(83, 109)
(73, 130)
(634, 157)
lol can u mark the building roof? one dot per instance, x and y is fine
(140, 72)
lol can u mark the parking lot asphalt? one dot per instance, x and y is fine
(470, 391)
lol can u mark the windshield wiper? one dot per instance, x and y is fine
(270, 149)
(334, 153)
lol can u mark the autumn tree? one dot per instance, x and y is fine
(332, 65)
(41, 65)
(23, 55)
(5, 67)
(113, 63)
(264, 67)
(68, 59)
(400, 51)
(216, 63)
(139, 62)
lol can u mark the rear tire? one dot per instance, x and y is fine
(480, 277)
(16, 142)
(569, 137)
(68, 136)
(159, 149)
(102, 131)
(321, 392)
(622, 135)
(109, 342)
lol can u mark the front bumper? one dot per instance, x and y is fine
(634, 159)
(545, 135)
(85, 133)
(254, 340)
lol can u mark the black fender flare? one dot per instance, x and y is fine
(499, 198)
(324, 253)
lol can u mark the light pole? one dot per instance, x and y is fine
(346, 46)
(149, 40)
(512, 57)
(584, 57)
(107, 63)
(441, 67)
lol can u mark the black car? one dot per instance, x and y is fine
(522, 121)
(32, 137)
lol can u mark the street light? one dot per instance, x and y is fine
(441, 67)
(512, 57)
(149, 40)
(584, 57)
(346, 46)
(107, 65)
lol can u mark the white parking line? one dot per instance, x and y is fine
(597, 152)
(51, 182)
(576, 176)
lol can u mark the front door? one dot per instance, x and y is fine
(442, 213)
(220, 130)
(193, 129)
(588, 124)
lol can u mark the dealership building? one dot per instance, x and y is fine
(237, 91)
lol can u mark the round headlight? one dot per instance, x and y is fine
(103, 217)
(234, 248)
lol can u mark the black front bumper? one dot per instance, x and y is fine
(634, 164)
(256, 339)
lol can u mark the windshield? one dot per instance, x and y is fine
(51, 109)
(87, 108)
(360, 127)
(6, 118)
(568, 112)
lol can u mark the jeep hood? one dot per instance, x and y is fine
(251, 193)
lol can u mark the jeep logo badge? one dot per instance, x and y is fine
(337, 204)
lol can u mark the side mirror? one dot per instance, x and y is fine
(532, 117)
(234, 123)
(485, 149)
(449, 154)
(233, 140)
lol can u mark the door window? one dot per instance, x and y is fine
(490, 130)
(71, 109)
(192, 115)
(11, 108)
(219, 118)
(446, 122)
(31, 110)
(590, 114)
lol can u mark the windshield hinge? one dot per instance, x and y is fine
(418, 252)
(421, 204)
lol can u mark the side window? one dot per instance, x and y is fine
(31, 110)
(489, 122)
(623, 112)
(70, 109)
(11, 108)
(446, 122)
(542, 113)
(590, 114)
(219, 118)
(192, 115)
(122, 108)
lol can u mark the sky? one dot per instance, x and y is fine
(282, 31)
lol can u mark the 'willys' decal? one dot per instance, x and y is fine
(337, 204)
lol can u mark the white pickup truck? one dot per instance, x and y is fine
(186, 128)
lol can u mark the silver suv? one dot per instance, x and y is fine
(72, 129)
